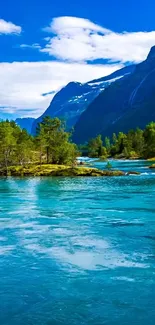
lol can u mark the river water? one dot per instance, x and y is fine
(78, 250)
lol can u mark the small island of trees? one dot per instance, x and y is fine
(51, 145)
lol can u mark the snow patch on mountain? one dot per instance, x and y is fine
(71, 101)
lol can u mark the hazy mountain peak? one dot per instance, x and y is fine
(25, 123)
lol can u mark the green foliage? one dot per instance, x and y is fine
(95, 148)
(83, 148)
(51, 144)
(109, 165)
(8, 140)
(152, 166)
(24, 151)
(149, 136)
(107, 143)
(135, 144)
(114, 138)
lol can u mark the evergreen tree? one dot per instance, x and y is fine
(107, 143)
(52, 143)
(95, 148)
(24, 151)
(53, 138)
(7, 143)
(114, 138)
(149, 136)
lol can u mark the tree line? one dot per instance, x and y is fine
(51, 144)
(134, 144)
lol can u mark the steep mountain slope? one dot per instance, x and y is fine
(71, 101)
(125, 104)
(25, 123)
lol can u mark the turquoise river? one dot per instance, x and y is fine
(78, 251)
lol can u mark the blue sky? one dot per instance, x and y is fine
(46, 44)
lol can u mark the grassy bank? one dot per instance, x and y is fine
(57, 170)
(152, 166)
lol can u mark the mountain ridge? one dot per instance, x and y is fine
(72, 100)
(25, 123)
(109, 104)
(121, 104)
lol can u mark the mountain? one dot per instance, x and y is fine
(25, 123)
(71, 101)
(127, 103)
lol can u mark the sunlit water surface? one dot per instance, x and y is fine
(78, 250)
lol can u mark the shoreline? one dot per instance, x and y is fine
(117, 159)
(62, 170)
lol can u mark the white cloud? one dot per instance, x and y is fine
(23, 83)
(71, 25)
(9, 28)
(34, 46)
(75, 42)
(77, 39)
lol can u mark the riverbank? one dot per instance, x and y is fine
(59, 170)
(152, 166)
